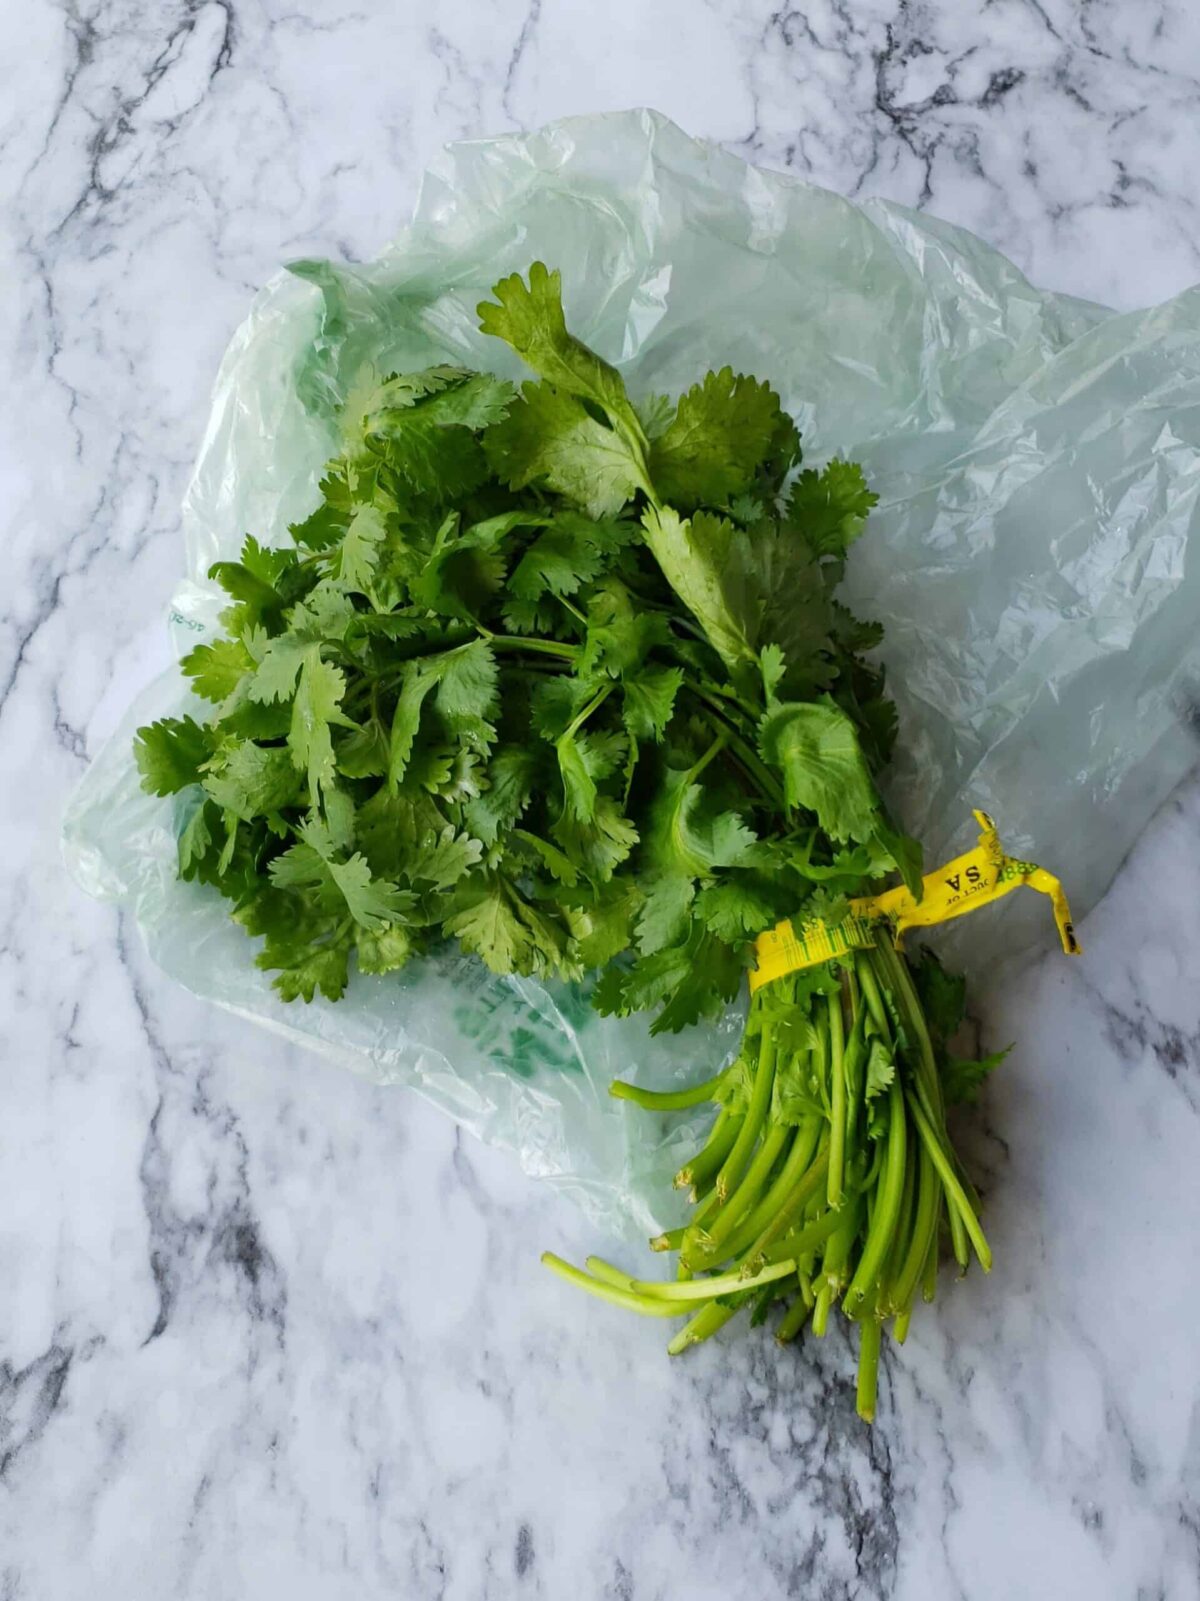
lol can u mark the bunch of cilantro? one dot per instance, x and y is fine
(561, 676)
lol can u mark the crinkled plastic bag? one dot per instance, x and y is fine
(1034, 559)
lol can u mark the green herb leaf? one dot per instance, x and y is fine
(962, 1081)
(697, 557)
(531, 320)
(217, 670)
(649, 701)
(385, 950)
(830, 508)
(316, 708)
(722, 432)
(360, 548)
(252, 781)
(663, 919)
(549, 438)
(816, 749)
(943, 995)
(371, 902)
(171, 754)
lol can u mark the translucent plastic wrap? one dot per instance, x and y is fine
(1034, 559)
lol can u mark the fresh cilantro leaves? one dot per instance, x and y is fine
(172, 754)
(547, 673)
(721, 434)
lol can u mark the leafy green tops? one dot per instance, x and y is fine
(547, 672)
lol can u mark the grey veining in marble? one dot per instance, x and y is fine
(267, 1331)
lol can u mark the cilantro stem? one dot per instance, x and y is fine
(727, 692)
(600, 1269)
(701, 1327)
(703, 1168)
(708, 1207)
(903, 1236)
(709, 1288)
(448, 526)
(955, 1196)
(924, 1230)
(820, 1316)
(873, 998)
(960, 1214)
(958, 1238)
(930, 1273)
(748, 756)
(519, 642)
(710, 755)
(809, 1278)
(820, 1054)
(887, 1206)
(760, 1099)
(608, 1292)
(868, 1184)
(909, 1006)
(740, 752)
(593, 705)
(793, 1321)
(887, 1209)
(852, 1066)
(791, 1209)
(800, 1243)
(869, 1341)
(795, 1165)
(668, 1100)
(748, 1190)
(833, 1262)
(837, 1100)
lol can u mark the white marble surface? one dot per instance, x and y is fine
(267, 1332)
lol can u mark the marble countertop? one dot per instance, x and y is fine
(268, 1331)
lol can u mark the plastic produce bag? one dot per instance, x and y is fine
(1033, 558)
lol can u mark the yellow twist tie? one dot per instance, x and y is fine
(975, 879)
